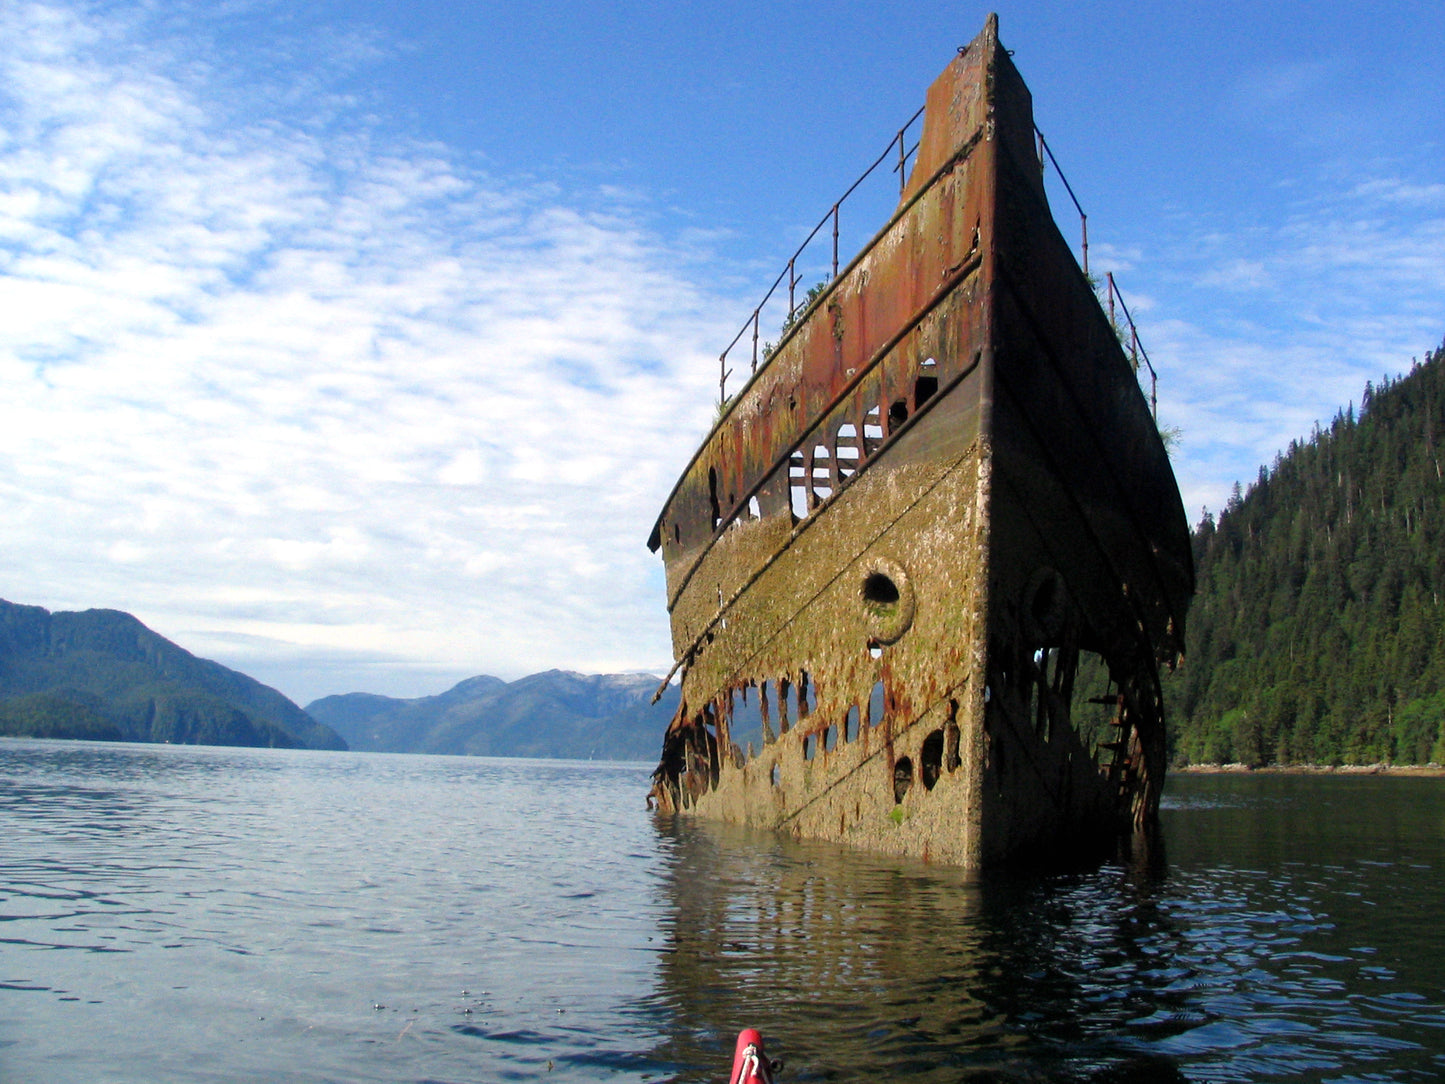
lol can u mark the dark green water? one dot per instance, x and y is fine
(207, 915)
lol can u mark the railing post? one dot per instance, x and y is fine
(902, 155)
(722, 378)
(792, 283)
(755, 339)
(835, 240)
(1046, 154)
(1046, 151)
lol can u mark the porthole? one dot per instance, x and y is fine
(902, 778)
(886, 596)
(930, 760)
(924, 389)
(879, 589)
(877, 704)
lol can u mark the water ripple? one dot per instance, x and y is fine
(351, 917)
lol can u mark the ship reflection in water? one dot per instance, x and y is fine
(189, 914)
(857, 966)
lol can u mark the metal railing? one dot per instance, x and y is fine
(1136, 348)
(790, 272)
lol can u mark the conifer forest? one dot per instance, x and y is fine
(1317, 635)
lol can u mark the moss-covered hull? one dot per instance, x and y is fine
(941, 492)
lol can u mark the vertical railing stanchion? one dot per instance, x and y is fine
(722, 378)
(755, 338)
(792, 286)
(902, 155)
(1083, 218)
(1136, 348)
(835, 240)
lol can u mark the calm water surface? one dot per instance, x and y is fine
(171, 913)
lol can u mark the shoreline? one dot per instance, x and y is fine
(1422, 771)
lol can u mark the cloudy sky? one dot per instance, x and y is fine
(356, 346)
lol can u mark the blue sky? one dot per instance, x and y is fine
(355, 345)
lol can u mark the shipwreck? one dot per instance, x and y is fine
(938, 500)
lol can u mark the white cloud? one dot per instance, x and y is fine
(1395, 190)
(269, 380)
(1237, 274)
(327, 405)
(1276, 325)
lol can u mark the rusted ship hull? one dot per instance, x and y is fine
(940, 490)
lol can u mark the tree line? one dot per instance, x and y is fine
(1317, 634)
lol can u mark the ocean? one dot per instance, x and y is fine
(175, 913)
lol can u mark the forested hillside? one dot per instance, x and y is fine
(103, 675)
(1317, 634)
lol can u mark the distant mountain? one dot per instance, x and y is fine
(1318, 631)
(553, 714)
(102, 674)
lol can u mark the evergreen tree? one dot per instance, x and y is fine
(1317, 634)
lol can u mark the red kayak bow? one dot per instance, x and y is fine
(750, 1061)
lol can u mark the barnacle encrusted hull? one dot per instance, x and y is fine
(941, 491)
